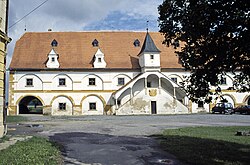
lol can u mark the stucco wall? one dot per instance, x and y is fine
(77, 88)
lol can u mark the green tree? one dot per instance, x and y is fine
(216, 39)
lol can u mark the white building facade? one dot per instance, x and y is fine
(102, 73)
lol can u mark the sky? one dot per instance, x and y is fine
(80, 15)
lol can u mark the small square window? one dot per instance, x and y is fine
(62, 81)
(118, 102)
(151, 56)
(120, 81)
(53, 59)
(91, 81)
(149, 84)
(223, 81)
(99, 60)
(200, 104)
(62, 106)
(29, 82)
(174, 79)
(92, 106)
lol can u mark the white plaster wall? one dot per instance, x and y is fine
(99, 106)
(75, 80)
(37, 83)
(55, 83)
(55, 107)
(115, 85)
(98, 83)
(141, 104)
(146, 61)
(196, 109)
(48, 82)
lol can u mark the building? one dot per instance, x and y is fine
(3, 45)
(101, 73)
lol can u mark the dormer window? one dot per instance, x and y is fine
(54, 43)
(137, 43)
(52, 61)
(99, 61)
(95, 43)
(151, 56)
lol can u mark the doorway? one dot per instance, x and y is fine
(153, 107)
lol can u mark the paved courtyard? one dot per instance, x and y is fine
(123, 140)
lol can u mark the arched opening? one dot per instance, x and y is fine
(152, 81)
(30, 105)
(226, 98)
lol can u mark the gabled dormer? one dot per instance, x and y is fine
(99, 61)
(52, 60)
(149, 56)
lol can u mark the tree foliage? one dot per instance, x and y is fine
(216, 37)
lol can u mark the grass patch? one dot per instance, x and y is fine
(16, 119)
(4, 138)
(208, 145)
(36, 150)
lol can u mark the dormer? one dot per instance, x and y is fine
(54, 43)
(149, 56)
(99, 61)
(52, 60)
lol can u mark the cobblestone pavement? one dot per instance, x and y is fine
(108, 140)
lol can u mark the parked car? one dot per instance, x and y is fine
(223, 108)
(243, 109)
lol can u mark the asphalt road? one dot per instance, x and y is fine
(120, 140)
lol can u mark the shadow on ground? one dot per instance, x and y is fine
(201, 151)
(103, 149)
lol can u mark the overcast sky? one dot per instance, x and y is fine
(81, 15)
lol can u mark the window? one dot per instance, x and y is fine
(136, 43)
(223, 81)
(118, 102)
(200, 104)
(29, 82)
(62, 82)
(174, 79)
(92, 106)
(91, 81)
(99, 60)
(62, 106)
(95, 43)
(53, 59)
(151, 56)
(149, 84)
(54, 43)
(120, 81)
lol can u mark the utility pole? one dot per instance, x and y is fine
(4, 40)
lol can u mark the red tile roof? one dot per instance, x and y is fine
(75, 49)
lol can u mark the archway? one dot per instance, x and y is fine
(30, 105)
